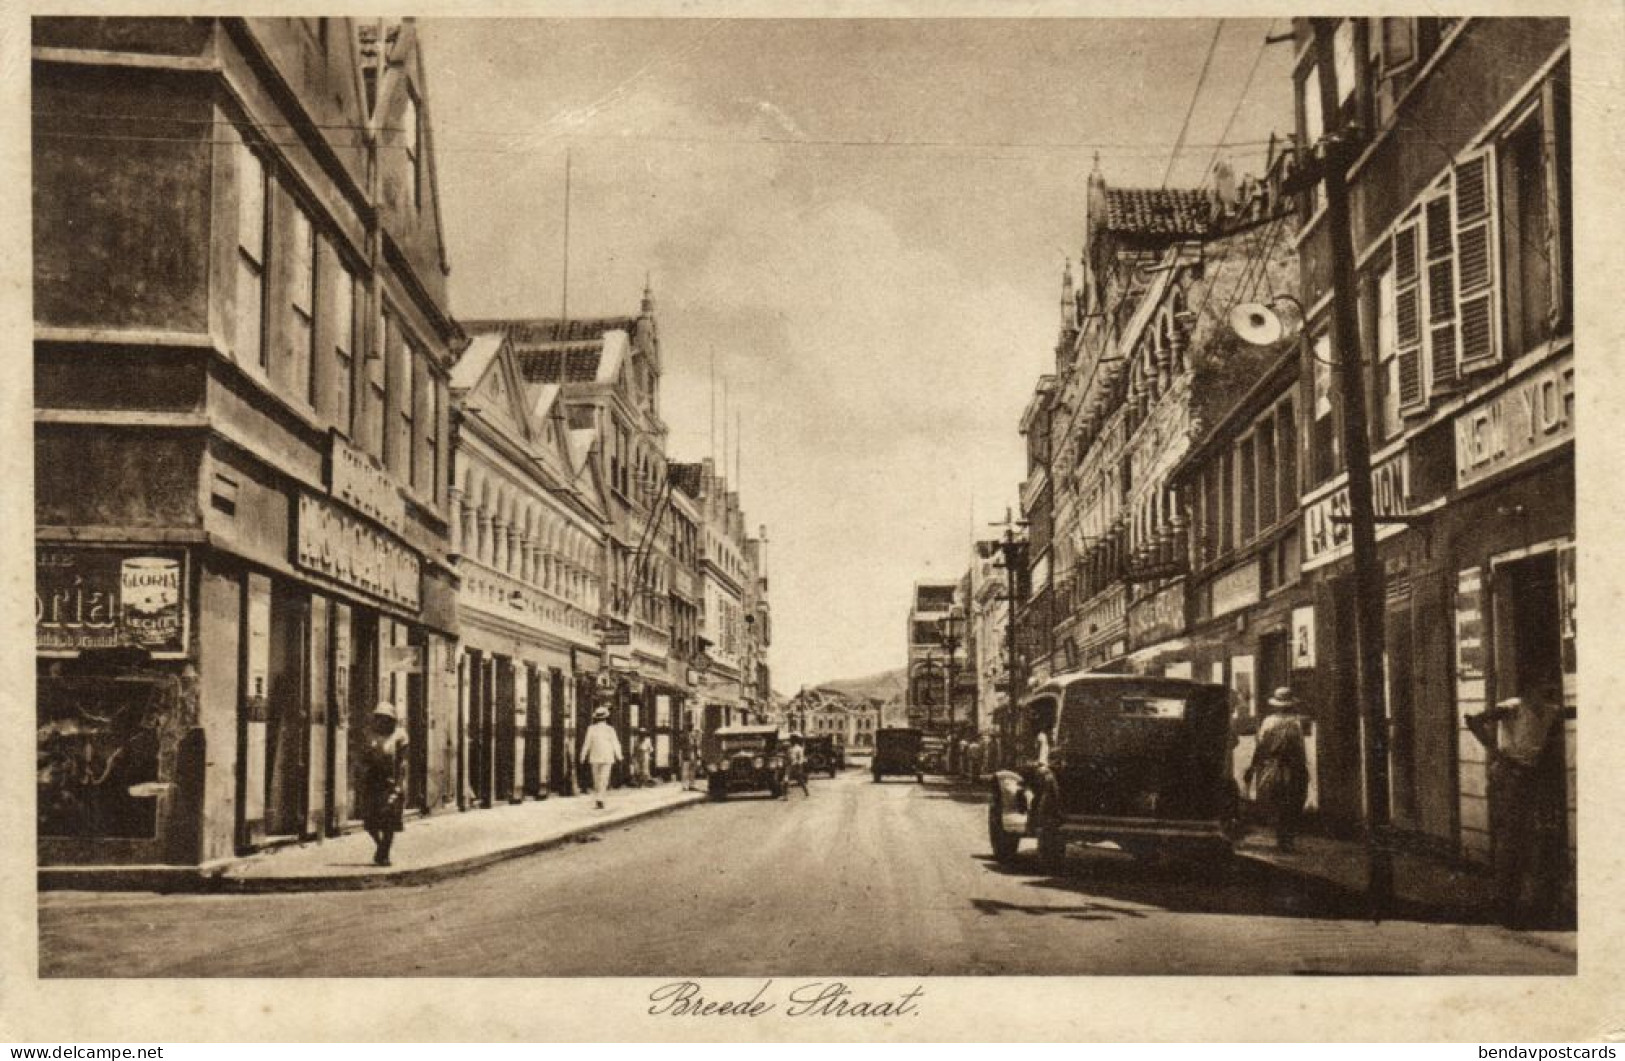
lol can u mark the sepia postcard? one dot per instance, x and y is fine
(860, 522)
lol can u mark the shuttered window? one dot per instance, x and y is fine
(1441, 292)
(1475, 251)
(1408, 315)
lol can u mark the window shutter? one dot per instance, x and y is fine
(1476, 253)
(1441, 276)
(1551, 116)
(1408, 316)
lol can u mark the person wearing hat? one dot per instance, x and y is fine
(796, 767)
(600, 750)
(382, 788)
(1280, 766)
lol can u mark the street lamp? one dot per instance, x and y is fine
(952, 628)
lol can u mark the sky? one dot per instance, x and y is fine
(864, 224)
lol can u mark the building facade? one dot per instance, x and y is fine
(528, 514)
(242, 350)
(1463, 246)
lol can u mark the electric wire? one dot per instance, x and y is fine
(1201, 79)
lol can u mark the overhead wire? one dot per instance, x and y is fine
(1201, 79)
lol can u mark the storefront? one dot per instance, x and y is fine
(1512, 582)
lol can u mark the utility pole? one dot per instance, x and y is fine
(1011, 551)
(1368, 573)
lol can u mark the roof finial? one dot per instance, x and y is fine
(648, 293)
(1069, 298)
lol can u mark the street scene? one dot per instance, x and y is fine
(701, 497)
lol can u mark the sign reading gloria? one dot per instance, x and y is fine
(354, 479)
(343, 548)
(89, 597)
(1530, 417)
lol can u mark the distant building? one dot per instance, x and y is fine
(927, 695)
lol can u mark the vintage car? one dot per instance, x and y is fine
(897, 751)
(934, 754)
(743, 759)
(824, 755)
(1139, 761)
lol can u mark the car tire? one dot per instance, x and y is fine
(1004, 842)
(717, 792)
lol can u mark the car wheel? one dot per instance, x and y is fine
(717, 791)
(1005, 843)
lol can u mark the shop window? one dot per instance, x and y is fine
(249, 336)
(97, 755)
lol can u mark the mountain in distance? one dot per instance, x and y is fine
(884, 686)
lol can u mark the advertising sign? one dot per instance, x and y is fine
(1303, 638)
(1533, 415)
(1158, 617)
(333, 543)
(110, 597)
(356, 479)
(1326, 531)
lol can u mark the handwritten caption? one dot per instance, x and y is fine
(816, 998)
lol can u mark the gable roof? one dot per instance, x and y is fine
(475, 359)
(1157, 211)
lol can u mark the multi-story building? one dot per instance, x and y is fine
(1145, 360)
(928, 658)
(823, 712)
(609, 371)
(726, 680)
(242, 440)
(758, 675)
(1458, 175)
(528, 513)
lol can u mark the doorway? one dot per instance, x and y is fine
(558, 739)
(1528, 646)
(533, 732)
(287, 721)
(505, 731)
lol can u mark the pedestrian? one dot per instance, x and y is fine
(640, 758)
(1517, 735)
(383, 796)
(796, 770)
(1280, 767)
(600, 750)
(688, 752)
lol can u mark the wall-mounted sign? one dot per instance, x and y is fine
(1303, 638)
(335, 544)
(1235, 589)
(1158, 617)
(356, 479)
(104, 597)
(1470, 624)
(1326, 532)
(1533, 415)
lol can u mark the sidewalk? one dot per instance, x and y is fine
(441, 845)
(1425, 887)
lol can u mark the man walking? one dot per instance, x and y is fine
(688, 754)
(1517, 733)
(796, 768)
(600, 750)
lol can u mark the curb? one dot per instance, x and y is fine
(213, 878)
(1403, 908)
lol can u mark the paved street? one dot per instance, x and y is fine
(861, 879)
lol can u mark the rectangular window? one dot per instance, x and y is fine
(377, 387)
(1286, 449)
(1313, 126)
(1268, 507)
(249, 337)
(1247, 511)
(1477, 307)
(1389, 422)
(411, 131)
(1440, 283)
(1227, 504)
(1325, 458)
(302, 297)
(1344, 59)
(405, 398)
(345, 323)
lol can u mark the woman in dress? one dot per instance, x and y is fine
(1280, 766)
(383, 795)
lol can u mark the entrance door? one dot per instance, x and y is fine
(558, 740)
(506, 731)
(479, 741)
(1528, 657)
(417, 725)
(363, 680)
(533, 732)
(1399, 666)
(287, 735)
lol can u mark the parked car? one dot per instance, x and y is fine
(897, 751)
(1140, 761)
(824, 755)
(743, 759)
(934, 755)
